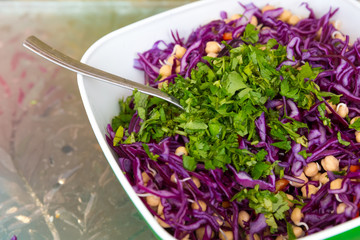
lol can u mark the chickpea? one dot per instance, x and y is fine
(296, 215)
(267, 8)
(290, 198)
(330, 163)
(177, 69)
(179, 51)
(162, 223)
(160, 84)
(199, 205)
(145, 178)
(186, 237)
(181, 151)
(302, 177)
(228, 223)
(342, 110)
(219, 219)
(212, 46)
(173, 178)
(234, 17)
(336, 184)
(311, 169)
(254, 21)
(309, 190)
(316, 177)
(255, 237)
(354, 119)
(280, 237)
(160, 209)
(153, 200)
(293, 20)
(341, 208)
(279, 106)
(165, 70)
(212, 54)
(226, 235)
(298, 232)
(339, 36)
(357, 136)
(173, 60)
(324, 178)
(196, 181)
(333, 106)
(170, 61)
(243, 217)
(318, 36)
(336, 24)
(200, 232)
(285, 15)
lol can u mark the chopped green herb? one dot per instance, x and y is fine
(341, 173)
(290, 232)
(322, 111)
(150, 154)
(304, 154)
(341, 141)
(355, 125)
(251, 35)
(272, 205)
(118, 135)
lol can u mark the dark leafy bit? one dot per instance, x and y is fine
(256, 115)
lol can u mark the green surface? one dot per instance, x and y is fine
(353, 234)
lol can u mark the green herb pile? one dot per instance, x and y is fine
(222, 99)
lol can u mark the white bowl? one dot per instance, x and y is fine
(116, 52)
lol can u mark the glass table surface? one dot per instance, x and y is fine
(55, 182)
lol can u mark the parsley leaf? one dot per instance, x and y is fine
(126, 113)
(304, 154)
(355, 125)
(251, 35)
(150, 154)
(290, 232)
(234, 82)
(189, 163)
(118, 135)
(322, 111)
(341, 141)
(259, 169)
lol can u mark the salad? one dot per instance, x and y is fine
(268, 144)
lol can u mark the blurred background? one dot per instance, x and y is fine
(55, 183)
